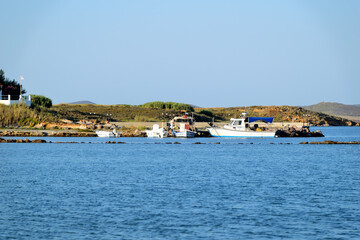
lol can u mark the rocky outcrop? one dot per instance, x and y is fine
(2, 140)
(64, 126)
(114, 142)
(133, 134)
(330, 142)
(303, 132)
(202, 134)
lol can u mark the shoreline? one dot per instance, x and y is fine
(137, 129)
(133, 132)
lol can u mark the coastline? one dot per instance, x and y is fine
(131, 129)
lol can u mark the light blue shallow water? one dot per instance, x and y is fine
(143, 190)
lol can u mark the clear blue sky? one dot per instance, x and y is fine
(207, 53)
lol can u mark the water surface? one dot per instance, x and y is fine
(238, 189)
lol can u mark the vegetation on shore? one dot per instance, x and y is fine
(23, 116)
(118, 113)
(281, 114)
(40, 101)
(168, 106)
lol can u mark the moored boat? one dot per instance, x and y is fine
(157, 132)
(240, 127)
(108, 134)
(183, 127)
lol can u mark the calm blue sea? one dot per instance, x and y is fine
(147, 189)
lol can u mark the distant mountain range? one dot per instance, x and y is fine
(82, 102)
(336, 109)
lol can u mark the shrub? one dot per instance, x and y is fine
(40, 101)
(207, 113)
(168, 106)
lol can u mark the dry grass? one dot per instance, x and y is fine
(22, 115)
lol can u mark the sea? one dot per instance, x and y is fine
(218, 188)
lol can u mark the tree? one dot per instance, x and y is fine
(40, 101)
(10, 87)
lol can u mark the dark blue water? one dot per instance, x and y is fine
(143, 190)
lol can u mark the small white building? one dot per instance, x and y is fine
(6, 99)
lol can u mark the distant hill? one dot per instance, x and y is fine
(82, 102)
(336, 109)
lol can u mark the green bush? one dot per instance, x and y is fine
(207, 113)
(168, 106)
(40, 101)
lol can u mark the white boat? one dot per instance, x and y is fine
(108, 134)
(240, 127)
(157, 132)
(183, 127)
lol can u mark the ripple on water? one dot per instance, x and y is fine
(162, 191)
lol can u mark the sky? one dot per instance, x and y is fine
(206, 53)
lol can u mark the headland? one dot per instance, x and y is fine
(82, 120)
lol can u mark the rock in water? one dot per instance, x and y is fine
(303, 132)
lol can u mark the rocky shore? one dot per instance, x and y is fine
(291, 132)
(44, 133)
(88, 128)
(48, 130)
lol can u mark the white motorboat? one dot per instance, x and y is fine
(157, 132)
(108, 134)
(183, 127)
(240, 127)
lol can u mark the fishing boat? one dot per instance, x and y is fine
(240, 127)
(157, 132)
(183, 127)
(108, 134)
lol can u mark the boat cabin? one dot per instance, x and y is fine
(244, 122)
(183, 119)
(183, 122)
(237, 124)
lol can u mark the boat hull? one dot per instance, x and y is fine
(184, 134)
(222, 132)
(156, 134)
(107, 134)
